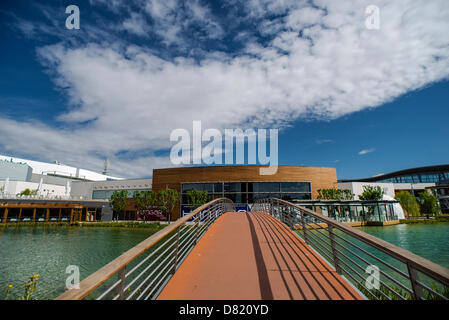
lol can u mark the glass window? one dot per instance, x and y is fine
(209, 187)
(231, 196)
(197, 186)
(233, 186)
(265, 195)
(188, 186)
(218, 187)
(295, 187)
(296, 196)
(266, 187)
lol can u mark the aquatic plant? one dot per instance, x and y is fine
(30, 288)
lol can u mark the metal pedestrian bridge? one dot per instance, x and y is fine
(279, 250)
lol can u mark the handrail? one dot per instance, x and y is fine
(99, 277)
(412, 261)
(387, 247)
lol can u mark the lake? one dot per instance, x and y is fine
(48, 251)
(430, 241)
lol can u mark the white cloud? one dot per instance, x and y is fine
(365, 151)
(136, 24)
(131, 99)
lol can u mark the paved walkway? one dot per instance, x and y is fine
(252, 256)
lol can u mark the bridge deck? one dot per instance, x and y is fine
(253, 256)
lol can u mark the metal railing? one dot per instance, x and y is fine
(378, 269)
(143, 271)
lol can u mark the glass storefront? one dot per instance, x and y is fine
(354, 211)
(106, 194)
(243, 193)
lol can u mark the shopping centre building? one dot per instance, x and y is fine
(57, 186)
(244, 184)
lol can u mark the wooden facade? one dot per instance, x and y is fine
(319, 177)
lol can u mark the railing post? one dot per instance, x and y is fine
(176, 249)
(304, 228)
(291, 212)
(282, 211)
(417, 290)
(197, 228)
(334, 251)
(121, 286)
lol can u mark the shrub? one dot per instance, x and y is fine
(372, 193)
(408, 203)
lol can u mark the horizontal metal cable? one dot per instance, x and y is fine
(378, 279)
(147, 268)
(369, 263)
(155, 278)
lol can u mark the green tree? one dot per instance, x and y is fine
(144, 200)
(118, 201)
(167, 200)
(335, 194)
(28, 192)
(371, 193)
(408, 203)
(429, 203)
(196, 198)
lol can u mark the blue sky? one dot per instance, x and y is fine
(363, 101)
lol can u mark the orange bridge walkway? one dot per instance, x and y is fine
(251, 256)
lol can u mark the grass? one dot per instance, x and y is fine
(439, 219)
(134, 224)
(428, 295)
(30, 288)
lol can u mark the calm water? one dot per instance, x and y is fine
(47, 251)
(431, 241)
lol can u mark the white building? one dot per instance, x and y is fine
(414, 180)
(357, 187)
(104, 189)
(50, 180)
(59, 170)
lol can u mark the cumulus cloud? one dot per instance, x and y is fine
(320, 62)
(136, 24)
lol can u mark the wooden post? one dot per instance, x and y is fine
(5, 215)
(121, 287)
(59, 217)
(20, 215)
(95, 215)
(34, 214)
(48, 215)
(71, 215)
